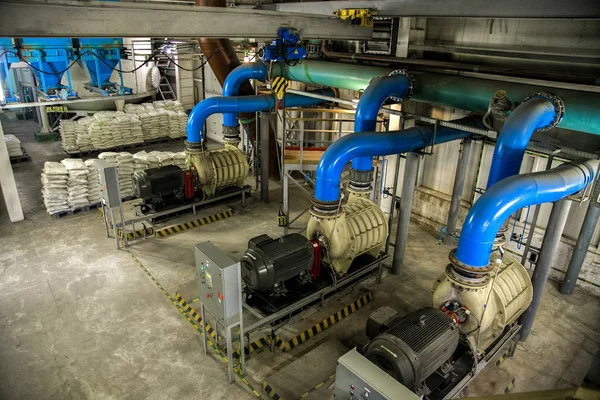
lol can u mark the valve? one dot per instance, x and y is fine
(286, 47)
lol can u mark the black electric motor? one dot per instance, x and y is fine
(411, 348)
(269, 262)
(159, 187)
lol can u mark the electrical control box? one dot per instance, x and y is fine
(219, 283)
(357, 378)
(108, 180)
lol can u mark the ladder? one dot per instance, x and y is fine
(165, 90)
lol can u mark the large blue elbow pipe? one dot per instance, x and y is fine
(240, 104)
(235, 79)
(368, 108)
(536, 113)
(369, 144)
(509, 195)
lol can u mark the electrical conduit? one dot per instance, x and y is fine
(507, 196)
(239, 104)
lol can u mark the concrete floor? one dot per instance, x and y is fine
(79, 319)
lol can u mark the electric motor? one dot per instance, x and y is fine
(269, 262)
(157, 181)
(414, 347)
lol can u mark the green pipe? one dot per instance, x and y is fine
(338, 75)
(472, 94)
(581, 108)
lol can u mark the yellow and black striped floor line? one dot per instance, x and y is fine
(172, 230)
(269, 390)
(510, 386)
(196, 326)
(146, 232)
(325, 324)
(319, 385)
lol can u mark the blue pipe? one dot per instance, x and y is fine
(511, 194)
(363, 144)
(368, 109)
(536, 113)
(241, 104)
(235, 79)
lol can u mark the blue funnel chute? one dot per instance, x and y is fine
(6, 84)
(49, 59)
(99, 57)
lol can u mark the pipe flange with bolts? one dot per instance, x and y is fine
(473, 275)
(231, 135)
(559, 108)
(324, 209)
(457, 277)
(360, 181)
(194, 147)
(412, 85)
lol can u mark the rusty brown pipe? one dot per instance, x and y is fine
(224, 60)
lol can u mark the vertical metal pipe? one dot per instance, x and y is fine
(264, 156)
(393, 195)
(583, 242)
(459, 184)
(536, 215)
(554, 229)
(408, 188)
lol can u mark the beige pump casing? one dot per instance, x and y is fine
(219, 168)
(511, 294)
(360, 227)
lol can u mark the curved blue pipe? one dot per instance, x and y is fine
(369, 144)
(368, 108)
(240, 104)
(235, 79)
(509, 195)
(535, 113)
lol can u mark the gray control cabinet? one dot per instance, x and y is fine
(357, 378)
(220, 293)
(108, 179)
(218, 283)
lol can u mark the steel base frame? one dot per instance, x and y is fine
(504, 345)
(338, 284)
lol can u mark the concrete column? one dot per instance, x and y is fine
(7, 182)
(459, 184)
(583, 242)
(264, 156)
(554, 229)
(44, 120)
(408, 189)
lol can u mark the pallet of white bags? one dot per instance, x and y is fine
(21, 158)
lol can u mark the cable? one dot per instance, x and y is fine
(80, 55)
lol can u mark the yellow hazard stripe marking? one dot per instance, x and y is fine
(178, 302)
(193, 224)
(314, 330)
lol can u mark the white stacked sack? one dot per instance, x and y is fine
(140, 161)
(173, 124)
(54, 187)
(13, 145)
(77, 184)
(84, 140)
(183, 118)
(126, 168)
(68, 136)
(93, 182)
(179, 160)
